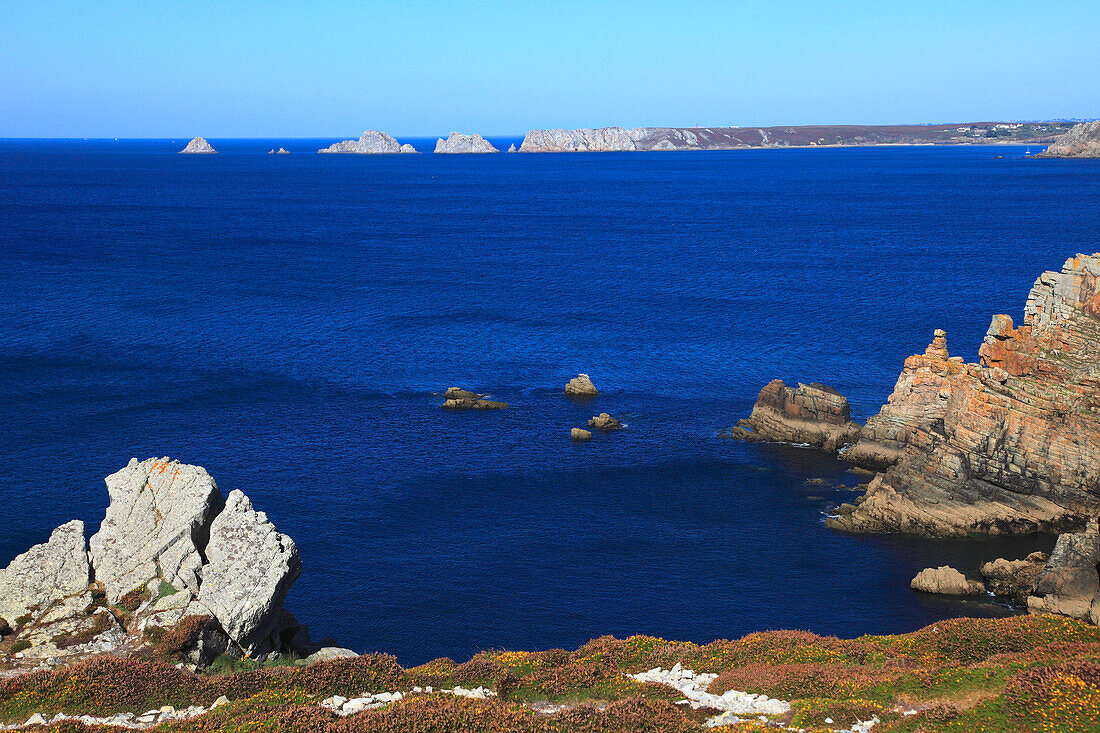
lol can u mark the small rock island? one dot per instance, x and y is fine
(198, 145)
(371, 142)
(457, 143)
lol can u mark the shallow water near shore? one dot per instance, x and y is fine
(289, 322)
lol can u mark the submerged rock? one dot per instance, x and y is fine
(813, 414)
(945, 580)
(581, 386)
(1008, 445)
(371, 142)
(457, 143)
(45, 573)
(464, 399)
(1081, 141)
(198, 145)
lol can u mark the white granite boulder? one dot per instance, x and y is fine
(156, 526)
(45, 573)
(250, 566)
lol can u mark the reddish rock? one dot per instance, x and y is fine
(1010, 445)
(812, 413)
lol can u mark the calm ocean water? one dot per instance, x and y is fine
(288, 322)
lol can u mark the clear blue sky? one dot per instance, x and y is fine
(238, 68)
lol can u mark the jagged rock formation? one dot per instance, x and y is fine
(612, 139)
(581, 386)
(168, 548)
(1069, 584)
(280, 151)
(605, 422)
(945, 580)
(1010, 445)
(1013, 578)
(371, 142)
(198, 145)
(53, 570)
(457, 143)
(1082, 141)
(813, 414)
(464, 399)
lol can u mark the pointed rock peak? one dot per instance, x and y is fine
(199, 145)
(457, 142)
(938, 347)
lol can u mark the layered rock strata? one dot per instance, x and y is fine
(169, 548)
(198, 145)
(371, 142)
(811, 414)
(457, 143)
(1082, 141)
(1008, 445)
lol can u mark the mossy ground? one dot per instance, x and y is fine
(1025, 673)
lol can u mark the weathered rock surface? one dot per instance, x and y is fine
(813, 414)
(199, 145)
(945, 580)
(1013, 578)
(250, 567)
(1010, 445)
(457, 143)
(580, 434)
(1069, 583)
(604, 422)
(581, 386)
(45, 573)
(157, 526)
(1082, 141)
(604, 139)
(371, 142)
(464, 399)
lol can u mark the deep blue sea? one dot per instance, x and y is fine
(289, 322)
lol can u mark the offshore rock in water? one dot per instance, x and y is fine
(580, 434)
(1081, 141)
(581, 386)
(371, 142)
(945, 580)
(605, 422)
(457, 143)
(811, 413)
(464, 399)
(280, 151)
(198, 145)
(1009, 445)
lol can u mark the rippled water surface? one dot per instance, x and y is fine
(288, 322)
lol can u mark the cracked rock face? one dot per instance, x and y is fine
(156, 526)
(45, 573)
(250, 567)
(1009, 445)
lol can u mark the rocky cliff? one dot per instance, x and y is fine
(457, 143)
(169, 548)
(198, 145)
(1082, 141)
(1008, 445)
(370, 142)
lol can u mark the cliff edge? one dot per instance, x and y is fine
(1082, 141)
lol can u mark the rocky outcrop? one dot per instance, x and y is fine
(371, 142)
(811, 414)
(198, 145)
(169, 548)
(512, 148)
(280, 151)
(1069, 584)
(604, 139)
(45, 573)
(580, 434)
(464, 399)
(605, 422)
(457, 143)
(1082, 141)
(1013, 579)
(581, 386)
(1008, 445)
(945, 580)
(250, 567)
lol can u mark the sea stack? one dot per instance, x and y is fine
(581, 386)
(813, 414)
(457, 143)
(371, 142)
(198, 145)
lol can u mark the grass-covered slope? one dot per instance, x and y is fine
(1025, 673)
